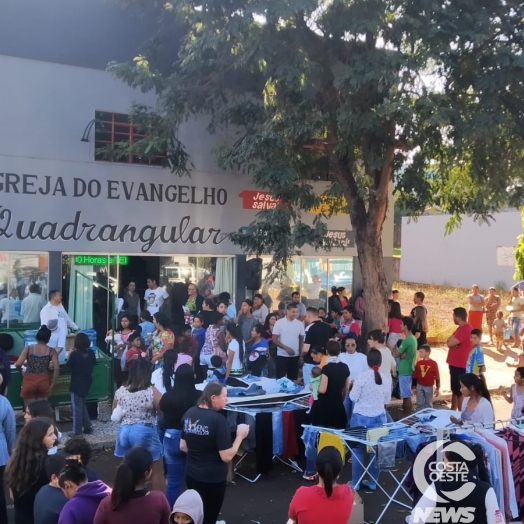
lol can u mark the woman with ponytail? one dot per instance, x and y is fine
(327, 501)
(84, 497)
(130, 497)
(476, 403)
(370, 393)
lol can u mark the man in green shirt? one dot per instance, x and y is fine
(407, 351)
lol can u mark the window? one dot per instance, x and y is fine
(114, 131)
(312, 277)
(19, 271)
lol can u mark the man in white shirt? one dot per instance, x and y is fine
(7, 307)
(32, 305)
(54, 310)
(295, 300)
(154, 296)
(288, 335)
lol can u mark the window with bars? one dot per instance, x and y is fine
(114, 130)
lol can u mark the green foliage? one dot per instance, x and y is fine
(425, 94)
(519, 253)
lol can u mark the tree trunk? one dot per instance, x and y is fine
(369, 246)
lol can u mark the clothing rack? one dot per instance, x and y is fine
(360, 436)
(444, 432)
(268, 406)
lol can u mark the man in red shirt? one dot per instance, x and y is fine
(459, 349)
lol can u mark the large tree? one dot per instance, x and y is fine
(423, 95)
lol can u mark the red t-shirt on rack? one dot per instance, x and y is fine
(458, 356)
(310, 505)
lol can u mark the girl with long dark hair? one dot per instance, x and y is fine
(476, 403)
(130, 496)
(371, 393)
(84, 497)
(394, 324)
(327, 501)
(25, 472)
(235, 351)
(139, 402)
(173, 404)
(119, 342)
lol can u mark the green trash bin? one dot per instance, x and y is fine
(101, 388)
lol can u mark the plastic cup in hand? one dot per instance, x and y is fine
(243, 428)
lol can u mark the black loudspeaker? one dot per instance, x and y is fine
(253, 274)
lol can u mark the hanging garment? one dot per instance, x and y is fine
(328, 439)
(386, 452)
(515, 443)
(290, 435)
(278, 433)
(510, 501)
(373, 435)
(264, 440)
(301, 418)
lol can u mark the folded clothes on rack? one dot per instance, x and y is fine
(252, 391)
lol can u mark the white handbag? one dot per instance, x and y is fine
(118, 414)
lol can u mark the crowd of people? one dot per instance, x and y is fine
(170, 433)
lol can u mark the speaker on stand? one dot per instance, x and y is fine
(253, 280)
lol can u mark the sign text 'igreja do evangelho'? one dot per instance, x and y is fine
(110, 211)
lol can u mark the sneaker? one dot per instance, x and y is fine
(368, 485)
(88, 431)
(310, 476)
(221, 522)
(73, 434)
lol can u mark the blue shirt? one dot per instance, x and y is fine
(475, 360)
(147, 327)
(8, 432)
(231, 311)
(200, 335)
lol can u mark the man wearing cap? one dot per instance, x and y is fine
(54, 311)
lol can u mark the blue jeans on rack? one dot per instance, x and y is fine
(175, 461)
(357, 468)
(310, 438)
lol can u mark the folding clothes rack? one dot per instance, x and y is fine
(360, 436)
(268, 406)
(443, 434)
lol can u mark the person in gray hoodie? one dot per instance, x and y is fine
(188, 509)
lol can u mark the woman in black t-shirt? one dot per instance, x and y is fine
(207, 441)
(173, 404)
(328, 410)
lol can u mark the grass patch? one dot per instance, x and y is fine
(440, 302)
